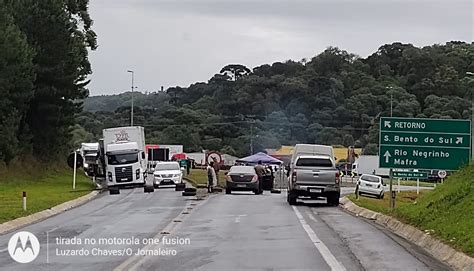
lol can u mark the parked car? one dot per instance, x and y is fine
(242, 178)
(167, 173)
(371, 185)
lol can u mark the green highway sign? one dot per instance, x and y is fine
(442, 126)
(410, 174)
(424, 143)
(419, 138)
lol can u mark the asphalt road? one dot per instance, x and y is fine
(241, 231)
(130, 214)
(248, 232)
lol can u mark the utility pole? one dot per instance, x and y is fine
(251, 138)
(131, 112)
(391, 103)
(471, 74)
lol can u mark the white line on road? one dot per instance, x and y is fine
(320, 246)
(3, 250)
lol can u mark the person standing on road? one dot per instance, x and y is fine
(211, 177)
(216, 167)
(260, 170)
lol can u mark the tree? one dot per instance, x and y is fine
(60, 33)
(235, 71)
(16, 88)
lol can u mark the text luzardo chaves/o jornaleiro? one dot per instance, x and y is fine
(119, 247)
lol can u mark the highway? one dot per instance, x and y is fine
(241, 231)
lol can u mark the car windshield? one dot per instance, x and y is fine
(372, 179)
(171, 166)
(242, 170)
(122, 158)
(314, 162)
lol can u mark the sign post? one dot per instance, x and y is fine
(391, 190)
(417, 186)
(75, 169)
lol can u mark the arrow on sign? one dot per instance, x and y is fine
(387, 124)
(459, 140)
(387, 156)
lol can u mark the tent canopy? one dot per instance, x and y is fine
(265, 158)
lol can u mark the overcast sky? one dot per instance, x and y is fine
(177, 43)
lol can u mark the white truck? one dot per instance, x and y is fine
(125, 157)
(312, 173)
(369, 164)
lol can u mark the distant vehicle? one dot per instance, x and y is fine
(242, 178)
(369, 164)
(125, 159)
(371, 185)
(92, 162)
(345, 168)
(167, 173)
(312, 173)
(311, 149)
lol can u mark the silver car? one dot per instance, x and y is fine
(242, 178)
(371, 185)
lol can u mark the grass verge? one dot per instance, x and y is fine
(44, 190)
(446, 212)
(198, 177)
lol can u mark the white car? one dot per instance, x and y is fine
(167, 173)
(371, 185)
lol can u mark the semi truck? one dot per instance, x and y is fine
(125, 157)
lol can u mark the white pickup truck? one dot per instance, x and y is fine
(312, 173)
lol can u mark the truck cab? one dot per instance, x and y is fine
(125, 158)
(125, 164)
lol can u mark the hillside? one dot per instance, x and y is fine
(448, 211)
(334, 98)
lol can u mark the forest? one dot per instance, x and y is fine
(44, 70)
(333, 98)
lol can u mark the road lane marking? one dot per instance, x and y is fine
(3, 250)
(320, 246)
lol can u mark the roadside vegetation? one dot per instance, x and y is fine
(412, 183)
(333, 98)
(198, 177)
(45, 188)
(447, 212)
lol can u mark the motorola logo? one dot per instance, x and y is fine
(23, 247)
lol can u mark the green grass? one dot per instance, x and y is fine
(447, 212)
(45, 188)
(412, 183)
(198, 177)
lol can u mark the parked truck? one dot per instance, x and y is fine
(369, 164)
(125, 156)
(91, 153)
(312, 173)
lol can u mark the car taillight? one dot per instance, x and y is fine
(255, 178)
(338, 177)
